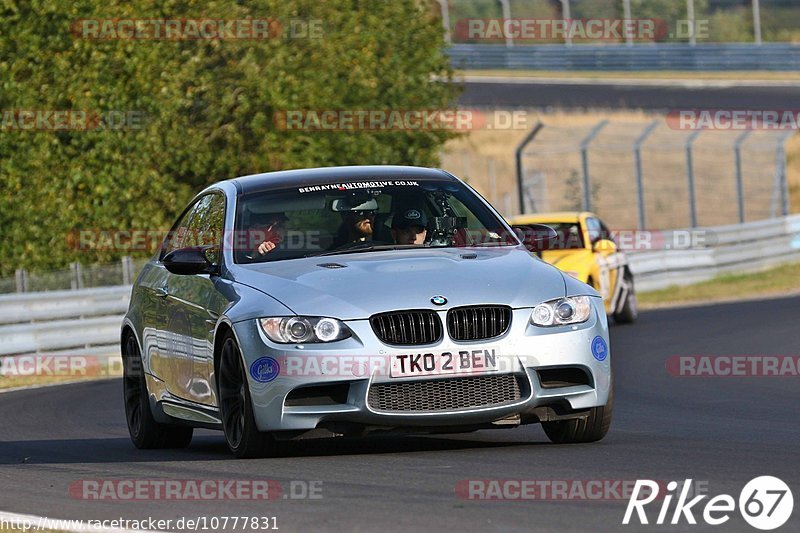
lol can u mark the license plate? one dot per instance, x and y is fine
(435, 364)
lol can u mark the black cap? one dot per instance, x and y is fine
(409, 217)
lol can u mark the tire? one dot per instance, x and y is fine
(236, 406)
(590, 429)
(145, 432)
(630, 309)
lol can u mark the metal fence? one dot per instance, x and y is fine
(77, 276)
(737, 248)
(677, 56)
(678, 21)
(637, 175)
(492, 176)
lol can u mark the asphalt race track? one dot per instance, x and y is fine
(721, 431)
(626, 96)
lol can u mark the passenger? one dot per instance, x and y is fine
(274, 231)
(409, 226)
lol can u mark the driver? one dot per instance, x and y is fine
(409, 226)
(358, 222)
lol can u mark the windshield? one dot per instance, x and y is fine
(570, 236)
(338, 218)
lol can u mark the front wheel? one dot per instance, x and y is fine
(629, 311)
(589, 429)
(236, 407)
(145, 432)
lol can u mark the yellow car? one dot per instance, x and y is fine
(585, 249)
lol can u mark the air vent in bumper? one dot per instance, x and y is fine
(565, 376)
(318, 395)
(447, 394)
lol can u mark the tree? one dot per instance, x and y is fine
(196, 111)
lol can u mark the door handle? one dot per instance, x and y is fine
(161, 292)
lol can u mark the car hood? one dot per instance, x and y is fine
(356, 286)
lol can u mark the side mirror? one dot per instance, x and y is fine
(604, 246)
(536, 237)
(193, 260)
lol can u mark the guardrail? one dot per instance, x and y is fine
(52, 305)
(88, 321)
(736, 248)
(75, 322)
(668, 56)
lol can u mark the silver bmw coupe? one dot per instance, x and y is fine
(351, 300)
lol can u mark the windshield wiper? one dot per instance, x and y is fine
(487, 244)
(368, 248)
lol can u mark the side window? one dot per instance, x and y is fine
(179, 232)
(606, 233)
(593, 227)
(206, 224)
(202, 225)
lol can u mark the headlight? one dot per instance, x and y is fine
(299, 329)
(573, 310)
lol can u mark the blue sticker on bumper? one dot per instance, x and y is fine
(599, 348)
(265, 369)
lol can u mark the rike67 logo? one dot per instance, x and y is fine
(765, 503)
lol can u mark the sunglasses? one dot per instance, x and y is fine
(361, 214)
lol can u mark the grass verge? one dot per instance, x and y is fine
(38, 370)
(774, 282)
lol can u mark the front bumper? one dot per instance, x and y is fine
(362, 361)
